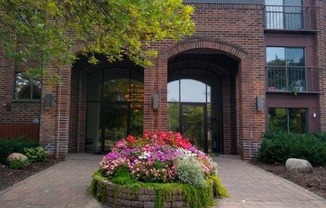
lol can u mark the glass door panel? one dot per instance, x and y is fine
(114, 118)
(93, 137)
(173, 117)
(136, 119)
(193, 124)
(217, 128)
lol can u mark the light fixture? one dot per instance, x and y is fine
(155, 101)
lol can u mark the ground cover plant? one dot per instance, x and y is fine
(164, 161)
(18, 145)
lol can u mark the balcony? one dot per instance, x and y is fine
(290, 18)
(292, 79)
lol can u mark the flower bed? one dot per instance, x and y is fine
(162, 169)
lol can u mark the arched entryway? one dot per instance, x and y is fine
(201, 99)
(110, 104)
(220, 67)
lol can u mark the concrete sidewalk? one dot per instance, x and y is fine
(66, 183)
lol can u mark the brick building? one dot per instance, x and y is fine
(251, 66)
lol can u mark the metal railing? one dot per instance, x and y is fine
(291, 78)
(290, 17)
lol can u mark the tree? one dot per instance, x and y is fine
(40, 33)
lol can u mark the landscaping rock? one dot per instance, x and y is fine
(17, 156)
(299, 165)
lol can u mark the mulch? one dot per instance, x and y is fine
(314, 182)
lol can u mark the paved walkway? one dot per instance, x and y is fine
(252, 187)
(66, 183)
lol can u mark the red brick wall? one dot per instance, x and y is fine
(240, 36)
(15, 116)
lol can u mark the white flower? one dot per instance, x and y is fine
(144, 155)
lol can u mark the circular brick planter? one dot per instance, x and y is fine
(116, 196)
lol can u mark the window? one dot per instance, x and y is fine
(287, 119)
(286, 69)
(27, 88)
(284, 14)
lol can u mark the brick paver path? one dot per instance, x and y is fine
(62, 185)
(251, 187)
(65, 185)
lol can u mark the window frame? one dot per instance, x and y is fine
(30, 85)
(288, 119)
(286, 67)
(283, 15)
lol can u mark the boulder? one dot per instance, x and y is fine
(17, 156)
(299, 165)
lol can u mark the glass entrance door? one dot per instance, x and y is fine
(195, 107)
(114, 119)
(115, 100)
(193, 124)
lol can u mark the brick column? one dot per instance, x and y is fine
(54, 123)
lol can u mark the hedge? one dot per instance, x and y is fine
(277, 147)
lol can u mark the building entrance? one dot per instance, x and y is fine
(195, 107)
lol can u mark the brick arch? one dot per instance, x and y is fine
(240, 131)
(199, 65)
(231, 50)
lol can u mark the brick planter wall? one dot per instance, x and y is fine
(121, 197)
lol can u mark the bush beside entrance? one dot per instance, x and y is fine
(277, 147)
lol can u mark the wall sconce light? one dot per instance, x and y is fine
(48, 100)
(259, 103)
(155, 101)
(314, 115)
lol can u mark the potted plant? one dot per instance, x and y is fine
(298, 86)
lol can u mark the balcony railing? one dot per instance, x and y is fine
(292, 79)
(290, 18)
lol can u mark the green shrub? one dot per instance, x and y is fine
(123, 176)
(18, 164)
(35, 154)
(277, 147)
(189, 172)
(8, 146)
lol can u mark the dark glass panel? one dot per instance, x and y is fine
(173, 117)
(193, 124)
(23, 86)
(116, 90)
(114, 120)
(93, 137)
(95, 83)
(277, 119)
(136, 119)
(297, 120)
(36, 89)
